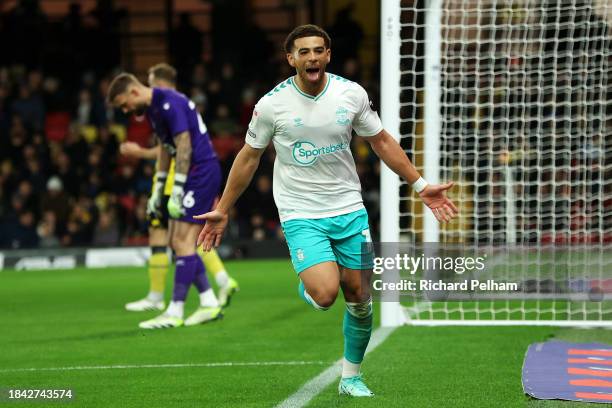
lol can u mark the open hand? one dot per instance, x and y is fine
(216, 222)
(435, 198)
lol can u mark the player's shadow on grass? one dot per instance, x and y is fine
(109, 335)
(273, 319)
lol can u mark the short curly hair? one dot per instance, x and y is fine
(307, 30)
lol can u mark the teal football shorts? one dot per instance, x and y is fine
(343, 239)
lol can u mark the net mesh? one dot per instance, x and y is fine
(525, 119)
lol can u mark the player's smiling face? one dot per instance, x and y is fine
(310, 56)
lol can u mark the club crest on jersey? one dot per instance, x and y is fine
(342, 118)
(306, 153)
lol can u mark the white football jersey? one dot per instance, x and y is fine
(314, 170)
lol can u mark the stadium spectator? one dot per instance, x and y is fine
(56, 201)
(29, 107)
(62, 166)
(46, 231)
(351, 69)
(20, 231)
(84, 108)
(80, 225)
(77, 149)
(248, 100)
(199, 77)
(110, 147)
(223, 123)
(263, 203)
(107, 231)
(4, 108)
(27, 196)
(59, 139)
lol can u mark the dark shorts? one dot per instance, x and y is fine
(201, 189)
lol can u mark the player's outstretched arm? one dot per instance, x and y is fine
(390, 152)
(131, 149)
(240, 176)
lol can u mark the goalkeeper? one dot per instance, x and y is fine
(310, 118)
(164, 76)
(196, 183)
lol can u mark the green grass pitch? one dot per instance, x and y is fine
(75, 318)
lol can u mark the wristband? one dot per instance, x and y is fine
(178, 189)
(160, 180)
(180, 179)
(419, 185)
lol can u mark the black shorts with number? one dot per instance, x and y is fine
(161, 222)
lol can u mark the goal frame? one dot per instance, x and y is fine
(392, 312)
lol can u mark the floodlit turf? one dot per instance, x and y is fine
(53, 319)
(76, 318)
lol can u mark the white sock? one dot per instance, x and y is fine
(349, 369)
(175, 309)
(155, 296)
(208, 298)
(222, 278)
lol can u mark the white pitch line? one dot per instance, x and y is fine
(179, 365)
(314, 387)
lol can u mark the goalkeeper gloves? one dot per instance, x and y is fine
(175, 203)
(154, 203)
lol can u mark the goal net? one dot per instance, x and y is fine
(510, 99)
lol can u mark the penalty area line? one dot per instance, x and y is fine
(314, 387)
(178, 365)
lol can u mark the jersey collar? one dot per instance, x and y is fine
(314, 98)
(156, 97)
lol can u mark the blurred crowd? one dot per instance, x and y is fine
(62, 179)
(525, 129)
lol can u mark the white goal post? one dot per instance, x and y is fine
(511, 100)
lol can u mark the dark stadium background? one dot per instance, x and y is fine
(63, 182)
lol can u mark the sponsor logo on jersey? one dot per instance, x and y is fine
(252, 134)
(297, 122)
(306, 153)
